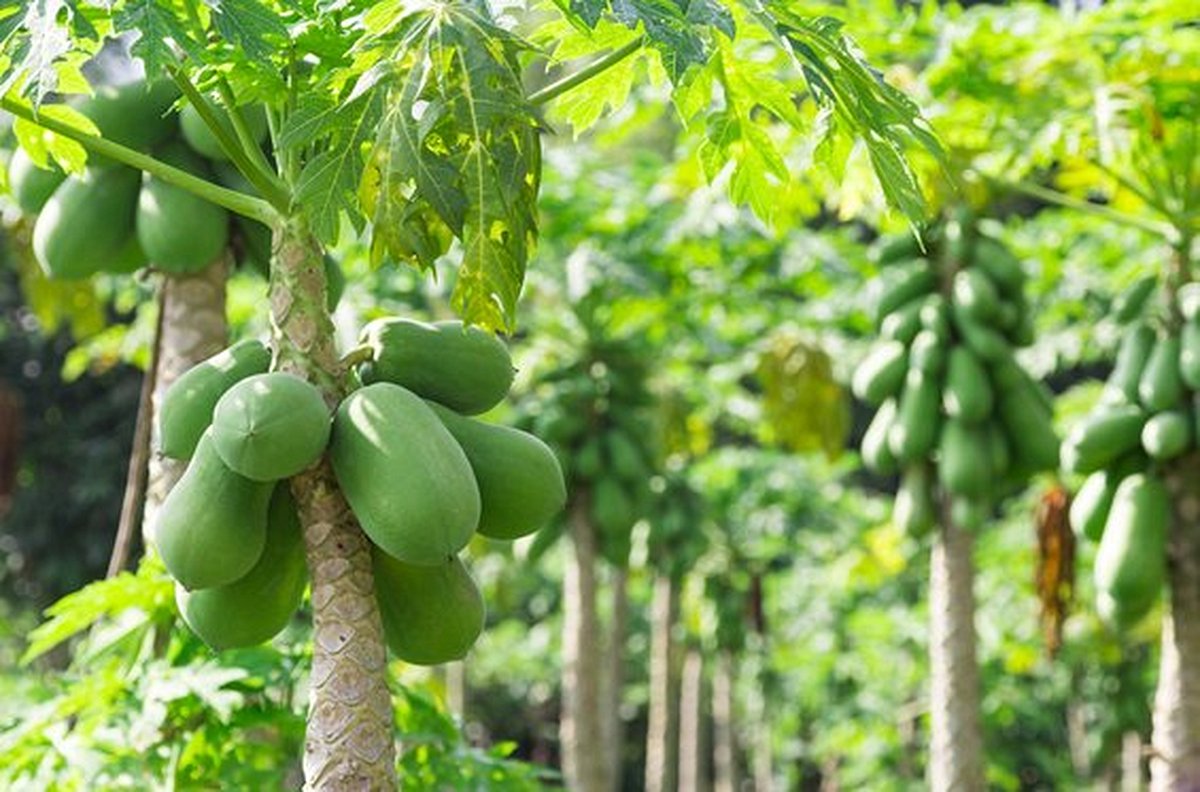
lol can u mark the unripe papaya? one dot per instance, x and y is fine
(970, 514)
(1121, 617)
(30, 185)
(1101, 437)
(256, 607)
(201, 138)
(902, 324)
(876, 453)
(187, 408)
(998, 448)
(968, 394)
(136, 115)
(1167, 435)
(211, 529)
(975, 295)
(935, 316)
(906, 287)
(898, 249)
(86, 223)
(1090, 507)
(915, 430)
(612, 508)
(928, 353)
(1132, 355)
(1188, 300)
(404, 475)
(1161, 384)
(985, 342)
(1131, 560)
(915, 512)
(464, 368)
(624, 457)
(881, 373)
(431, 614)
(1028, 429)
(963, 464)
(270, 426)
(180, 231)
(1131, 302)
(1189, 354)
(520, 483)
(1001, 266)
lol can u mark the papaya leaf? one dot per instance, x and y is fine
(158, 25)
(457, 153)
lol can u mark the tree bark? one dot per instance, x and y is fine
(614, 679)
(691, 723)
(1175, 759)
(956, 749)
(456, 688)
(725, 772)
(193, 327)
(349, 743)
(580, 729)
(662, 731)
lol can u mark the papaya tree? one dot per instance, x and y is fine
(413, 123)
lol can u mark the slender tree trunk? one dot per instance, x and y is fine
(1175, 760)
(614, 680)
(691, 723)
(349, 743)
(193, 327)
(662, 732)
(1131, 762)
(764, 777)
(725, 772)
(956, 750)
(456, 688)
(580, 730)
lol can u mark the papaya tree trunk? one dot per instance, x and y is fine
(1175, 759)
(580, 729)
(456, 688)
(614, 679)
(956, 747)
(725, 771)
(691, 722)
(349, 742)
(662, 731)
(192, 328)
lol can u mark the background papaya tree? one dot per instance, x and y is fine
(414, 122)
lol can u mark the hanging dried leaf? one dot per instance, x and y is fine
(1056, 564)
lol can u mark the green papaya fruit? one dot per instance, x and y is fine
(1161, 385)
(212, 527)
(928, 353)
(270, 426)
(1131, 560)
(963, 465)
(520, 483)
(131, 259)
(1008, 315)
(1121, 617)
(975, 295)
(935, 315)
(256, 607)
(431, 614)
(909, 285)
(1189, 354)
(902, 324)
(203, 141)
(989, 345)
(335, 283)
(876, 453)
(915, 512)
(967, 394)
(1167, 435)
(589, 461)
(970, 514)
(464, 368)
(612, 508)
(187, 407)
(1028, 429)
(1131, 302)
(1101, 437)
(897, 249)
(30, 185)
(404, 475)
(136, 115)
(1188, 300)
(915, 430)
(624, 457)
(180, 231)
(86, 223)
(1090, 507)
(999, 453)
(881, 373)
(1001, 266)
(1132, 355)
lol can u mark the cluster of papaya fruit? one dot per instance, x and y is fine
(1144, 420)
(958, 417)
(115, 219)
(421, 476)
(594, 410)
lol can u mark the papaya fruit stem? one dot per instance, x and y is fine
(575, 79)
(360, 354)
